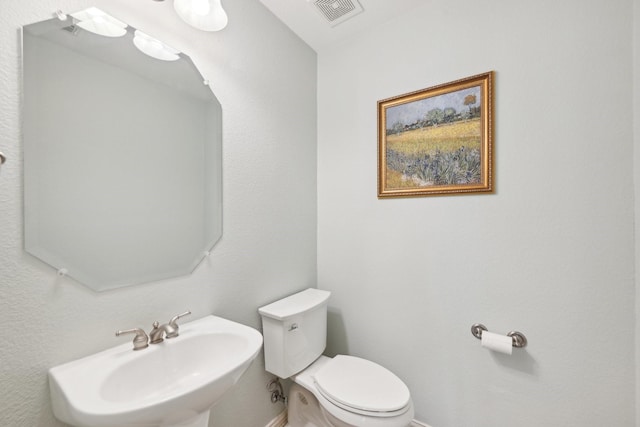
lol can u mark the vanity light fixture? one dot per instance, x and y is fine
(98, 22)
(153, 47)
(206, 15)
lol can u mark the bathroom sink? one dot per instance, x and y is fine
(173, 383)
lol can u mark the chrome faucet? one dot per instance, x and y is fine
(140, 341)
(167, 330)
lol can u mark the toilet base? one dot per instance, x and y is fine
(304, 409)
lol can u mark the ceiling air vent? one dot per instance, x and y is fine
(338, 11)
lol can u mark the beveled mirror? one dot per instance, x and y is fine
(122, 153)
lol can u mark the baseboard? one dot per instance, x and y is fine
(415, 423)
(280, 420)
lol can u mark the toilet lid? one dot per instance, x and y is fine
(361, 384)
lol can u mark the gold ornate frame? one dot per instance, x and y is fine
(437, 140)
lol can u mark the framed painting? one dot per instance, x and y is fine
(437, 140)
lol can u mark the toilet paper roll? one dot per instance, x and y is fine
(497, 342)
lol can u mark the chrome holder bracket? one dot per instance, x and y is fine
(518, 338)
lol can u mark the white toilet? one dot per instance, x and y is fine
(343, 391)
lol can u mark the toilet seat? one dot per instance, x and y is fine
(362, 386)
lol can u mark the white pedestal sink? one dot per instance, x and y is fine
(170, 384)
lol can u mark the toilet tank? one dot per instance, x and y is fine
(295, 331)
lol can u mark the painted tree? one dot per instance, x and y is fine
(470, 100)
(397, 128)
(434, 116)
(449, 114)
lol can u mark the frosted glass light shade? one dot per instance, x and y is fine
(153, 47)
(206, 15)
(98, 22)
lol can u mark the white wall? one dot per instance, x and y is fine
(265, 81)
(549, 254)
(636, 157)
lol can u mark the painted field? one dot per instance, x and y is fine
(436, 155)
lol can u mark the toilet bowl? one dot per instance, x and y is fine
(340, 393)
(343, 391)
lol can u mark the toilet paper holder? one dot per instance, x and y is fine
(518, 338)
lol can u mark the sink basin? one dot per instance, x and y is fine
(173, 383)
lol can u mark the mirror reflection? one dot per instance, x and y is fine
(122, 153)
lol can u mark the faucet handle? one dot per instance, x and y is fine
(172, 332)
(140, 341)
(155, 336)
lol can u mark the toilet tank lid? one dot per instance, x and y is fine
(295, 304)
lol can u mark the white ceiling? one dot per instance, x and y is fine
(303, 18)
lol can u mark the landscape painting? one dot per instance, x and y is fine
(437, 140)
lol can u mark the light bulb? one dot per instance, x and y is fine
(154, 47)
(209, 17)
(201, 7)
(96, 21)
